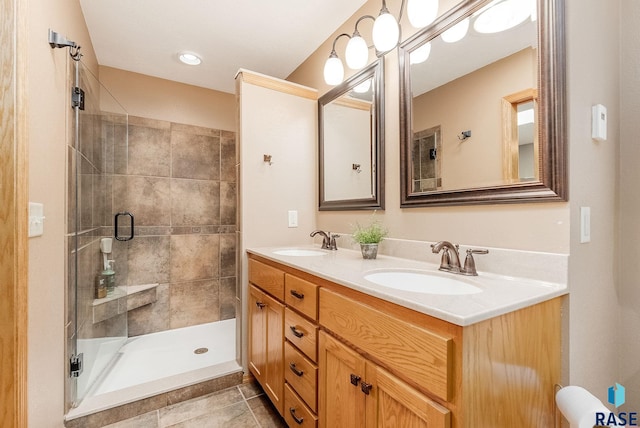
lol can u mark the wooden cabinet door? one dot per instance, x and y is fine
(392, 403)
(266, 344)
(341, 402)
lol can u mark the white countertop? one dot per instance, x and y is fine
(500, 294)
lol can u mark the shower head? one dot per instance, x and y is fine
(58, 41)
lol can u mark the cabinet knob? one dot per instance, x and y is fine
(366, 387)
(260, 305)
(295, 331)
(355, 379)
(297, 295)
(298, 420)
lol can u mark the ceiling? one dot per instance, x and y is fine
(269, 37)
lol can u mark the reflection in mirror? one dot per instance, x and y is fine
(351, 142)
(480, 90)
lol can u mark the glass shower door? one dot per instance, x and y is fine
(97, 323)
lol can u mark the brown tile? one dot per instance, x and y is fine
(227, 298)
(105, 311)
(119, 413)
(204, 388)
(148, 260)
(250, 389)
(195, 156)
(265, 412)
(149, 151)
(147, 198)
(234, 416)
(228, 204)
(194, 257)
(228, 255)
(193, 408)
(228, 156)
(142, 298)
(194, 303)
(195, 202)
(151, 318)
(120, 149)
(146, 420)
(149, 123)
(195, 130)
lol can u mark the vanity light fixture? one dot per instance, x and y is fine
(189, 58)
(421, 54)
(385, 34)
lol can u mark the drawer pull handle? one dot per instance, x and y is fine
(296, 370)
(260, 305)
(297, 295)
(355, 379)
(295, 331)
(298, 420)
(366, 387)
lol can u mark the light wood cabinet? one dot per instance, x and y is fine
(321, 347)
(355, 392)
(266, 351)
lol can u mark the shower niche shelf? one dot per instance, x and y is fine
(123, 299)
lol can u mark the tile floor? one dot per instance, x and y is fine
(240, 406)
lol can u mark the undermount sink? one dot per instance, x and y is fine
(299, 252)
(418, 281)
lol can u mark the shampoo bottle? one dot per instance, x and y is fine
(109, 276)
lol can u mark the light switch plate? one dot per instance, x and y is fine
(36, 219)
(293, 218)
(585, 225)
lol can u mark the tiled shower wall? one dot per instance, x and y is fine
(179, 181)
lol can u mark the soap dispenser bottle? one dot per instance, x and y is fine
(109, 276)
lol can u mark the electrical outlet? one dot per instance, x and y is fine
(585, 225)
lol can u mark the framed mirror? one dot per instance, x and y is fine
(351, 142)
(483, 118)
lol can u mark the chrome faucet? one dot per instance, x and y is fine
(450, 261)
(328, 239)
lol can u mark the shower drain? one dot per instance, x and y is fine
(201, 350)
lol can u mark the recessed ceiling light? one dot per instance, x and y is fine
(189, 58)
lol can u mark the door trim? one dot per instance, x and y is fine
(13, 215)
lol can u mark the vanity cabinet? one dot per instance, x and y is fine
(349, 359)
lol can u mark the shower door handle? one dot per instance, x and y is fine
(117, 236)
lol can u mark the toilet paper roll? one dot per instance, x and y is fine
(579, 406)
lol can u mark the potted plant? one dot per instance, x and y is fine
(369, 237)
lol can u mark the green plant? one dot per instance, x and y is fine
(374, 233)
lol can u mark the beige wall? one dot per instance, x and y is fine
(49, 116)
(629, 292)
(161, 99)
(592, 76)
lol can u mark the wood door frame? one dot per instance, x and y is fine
(13, 215)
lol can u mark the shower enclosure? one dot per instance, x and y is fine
(172, 314)
(97, 327)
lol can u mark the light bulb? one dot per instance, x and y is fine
(333, 70)
(386, 32)
(189, 58)
(357, 52)
(422, 12)
(457, 32)
(362, 87)
(502, 16)
(421, 54)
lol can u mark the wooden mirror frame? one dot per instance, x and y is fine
(375, 70)
(552, 135)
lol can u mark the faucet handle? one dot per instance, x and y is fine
(469, 263)
(332, 241)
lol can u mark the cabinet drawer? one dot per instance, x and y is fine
(420, 356)
(301, 374)
(301, 295)
(296, 413)
(302, 333)
(267, 278)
